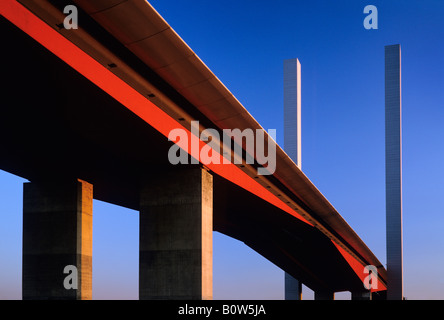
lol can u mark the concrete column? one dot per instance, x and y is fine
(361, 295)
(57, 232)
(176, 236)
(324, 295)
(293, 288)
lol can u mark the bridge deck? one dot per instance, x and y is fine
(56, 122)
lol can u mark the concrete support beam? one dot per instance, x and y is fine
(57, 232)
(176, 236)
(324, 295)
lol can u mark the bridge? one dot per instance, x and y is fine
(86, 113)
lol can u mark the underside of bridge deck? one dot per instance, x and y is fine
(55, 124)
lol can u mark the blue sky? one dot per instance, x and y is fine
(244, 43)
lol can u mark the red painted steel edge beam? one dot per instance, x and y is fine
(127, 96)
(358, 268)
(137, 103)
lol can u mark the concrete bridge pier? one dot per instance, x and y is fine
(57, 232)
(176, 235)
(293, 288)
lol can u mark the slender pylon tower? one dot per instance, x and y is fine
(393, 172)
(292, 142)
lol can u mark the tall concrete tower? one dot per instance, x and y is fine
(393, 172)
(292, 109)
(292, 142)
